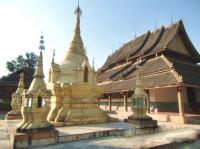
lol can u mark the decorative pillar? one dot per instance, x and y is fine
(140, 106)
(110, 102)
(125, 102)
(180, 101)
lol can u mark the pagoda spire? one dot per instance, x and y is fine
(78, 13)
(53, 56)
(20, 84)
(76, 39)
(38, 77)
(76, 46)
(93, 63)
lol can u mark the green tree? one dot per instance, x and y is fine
(28, 62)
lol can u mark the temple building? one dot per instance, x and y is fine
(169, 71)
(73, 86)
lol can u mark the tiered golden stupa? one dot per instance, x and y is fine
(73, 86)
(36, 107)
(16, 102)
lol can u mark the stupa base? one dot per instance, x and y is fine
(142, 121)
(82, 117)
(36, 137)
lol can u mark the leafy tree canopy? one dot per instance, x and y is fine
(28, 61)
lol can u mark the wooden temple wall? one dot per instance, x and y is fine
(161, 100)
(117, 104)
(165, 99)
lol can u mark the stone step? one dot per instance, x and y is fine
(78, 133)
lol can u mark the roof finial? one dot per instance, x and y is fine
(135, 34)
(41, 46)
(155, 23)
(53, 56)
(171, 18)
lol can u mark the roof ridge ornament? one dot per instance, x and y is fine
(171, 18)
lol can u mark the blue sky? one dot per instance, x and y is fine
(105, 25)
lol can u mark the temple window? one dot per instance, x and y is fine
(86, 74)
(39, 102)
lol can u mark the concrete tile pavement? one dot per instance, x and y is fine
(142, 141)
(4, 139)
(176, 133)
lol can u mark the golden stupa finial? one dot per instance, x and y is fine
(76, 46)
(78, 13)
(53, 56)
(38, 81)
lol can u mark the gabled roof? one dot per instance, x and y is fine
(155, 72)
(154, 42)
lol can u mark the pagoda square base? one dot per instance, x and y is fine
(33, 139)
(82, 116)
(142, 122)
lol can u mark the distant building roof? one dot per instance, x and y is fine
(14, 77)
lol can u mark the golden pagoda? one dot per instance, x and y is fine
(36, 100)
(16, 102)
(35, 130)
(73, 86)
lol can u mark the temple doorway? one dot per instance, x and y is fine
(191, 96)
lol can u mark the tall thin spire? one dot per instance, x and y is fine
(53, 56)
(20, 84)
(38, 80)
(93, 63)
(78, 13)
(39, 67)
(171, 18)
(76, 46)
(21, 81)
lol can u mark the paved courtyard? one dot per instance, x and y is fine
(143, 141)
(173, 133)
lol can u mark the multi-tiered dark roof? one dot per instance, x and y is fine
(168, 59)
